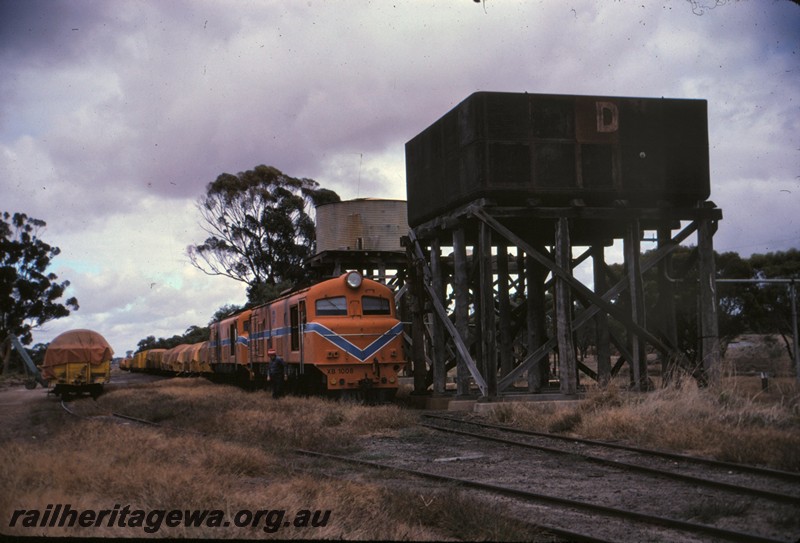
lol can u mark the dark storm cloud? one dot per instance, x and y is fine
(47, 32)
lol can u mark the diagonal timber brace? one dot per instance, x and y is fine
(441, 313)
(568, 278)
(585, 316)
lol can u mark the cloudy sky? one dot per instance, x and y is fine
(115, 115)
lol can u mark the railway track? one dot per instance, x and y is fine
(745, 480)
(648, 520)
(572, 490)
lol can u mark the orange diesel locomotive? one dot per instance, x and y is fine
(339, 336)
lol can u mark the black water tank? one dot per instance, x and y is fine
(516, 148)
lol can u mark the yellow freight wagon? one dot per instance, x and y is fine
(77, 362)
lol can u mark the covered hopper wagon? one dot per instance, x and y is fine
(77, 362)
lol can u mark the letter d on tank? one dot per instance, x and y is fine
(607, 117)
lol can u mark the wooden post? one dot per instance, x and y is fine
(438, 339)
(461, 291)
(568, 366)
(504, 306)
(488, 325)
(603, 350)
(709, 323)
(418, 328)
(539, 375)
(632, 249)
(666, 306)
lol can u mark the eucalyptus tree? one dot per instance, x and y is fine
(260, 227)
(29, 295)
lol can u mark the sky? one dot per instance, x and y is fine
(115, 115)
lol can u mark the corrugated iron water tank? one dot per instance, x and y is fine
(364, 224)
(513, 147)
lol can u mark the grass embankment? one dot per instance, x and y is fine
(237, 458)
(238, 455)
(735, 421)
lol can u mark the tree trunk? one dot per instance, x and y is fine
(5, 355)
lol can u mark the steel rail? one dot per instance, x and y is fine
(553, 530)
(777, 496)
(577, 504)
(769, 472)
(545, 529)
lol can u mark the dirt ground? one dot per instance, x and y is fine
(28, 415)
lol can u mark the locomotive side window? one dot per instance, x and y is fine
(295, 326)
(328, 307)
(257, 337)
(372, 305)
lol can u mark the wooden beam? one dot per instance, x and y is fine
(504, 310)
(461, 348)
(632, 250)
(539, 374)
(666, 307)
(601, 320)
(418, 329)
(461, 292)
(567, 277)
(588, 313)
(566, 347)
(709, 320)
(438, 335)
(487, 324)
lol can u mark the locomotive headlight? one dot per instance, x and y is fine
(353, 279)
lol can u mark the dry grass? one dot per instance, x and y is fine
(736, 421)
(237, 455)
(240, 461)
(230, 413)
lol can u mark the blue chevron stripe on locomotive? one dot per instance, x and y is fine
(241, 340)
(353, 350)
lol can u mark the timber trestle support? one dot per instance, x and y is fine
(502, 311)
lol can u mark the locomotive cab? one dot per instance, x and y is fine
(339, 335)
(352, 334)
